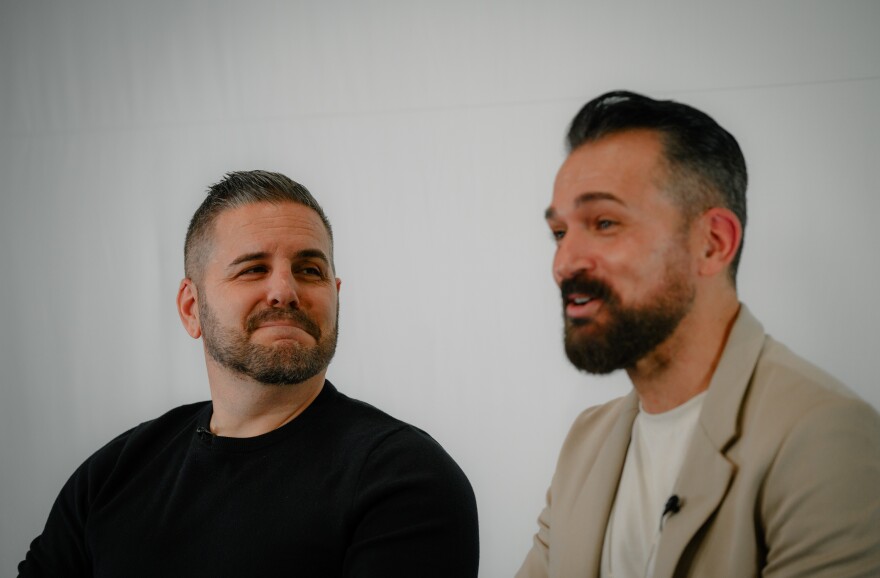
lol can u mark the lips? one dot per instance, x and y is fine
(279, 324)
(583, 296)
(578, 306)
(282, 325)
(579, 300)
(283, 318)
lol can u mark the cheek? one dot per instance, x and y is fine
(324, 304)
(673, 263)
(333, 309)
(625, 260)
(633, 270)
(236, 306)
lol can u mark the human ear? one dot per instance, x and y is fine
(721, 237)
(188, 308)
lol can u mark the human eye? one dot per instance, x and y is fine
(557, 229)
(603, 224)
(314, 271)
(253, 270)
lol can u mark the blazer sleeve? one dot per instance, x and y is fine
(537, 562)
(821, 498)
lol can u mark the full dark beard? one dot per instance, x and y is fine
(632, 333)
(280, 364)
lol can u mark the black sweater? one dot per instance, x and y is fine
(342, 490)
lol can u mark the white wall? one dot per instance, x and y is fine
(431, 132)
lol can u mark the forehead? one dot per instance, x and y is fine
(271, 227)
(628, 166)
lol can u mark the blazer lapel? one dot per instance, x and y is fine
(706, 473)
(703, 482)
(589, 515)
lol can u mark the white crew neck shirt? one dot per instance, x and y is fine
(653, 460)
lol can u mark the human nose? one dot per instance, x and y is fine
(282, 290)
(573, 255)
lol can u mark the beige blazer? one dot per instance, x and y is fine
(782, 477)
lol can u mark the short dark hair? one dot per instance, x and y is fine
(706, 165)
(238, 189)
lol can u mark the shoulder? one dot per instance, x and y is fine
(168, 424)
(800, 425)
(411, 507)
(786, 389)
(815, 447)
(785, 369)
(148, 436)
(596, 422)
(364, 426)
(788, 405)
(604, 415)
(117, 460)
(360, 414)
(377, 436)
(802, 401)
(600, 429)
(404, 477)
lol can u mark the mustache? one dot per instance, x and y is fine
(298, 318)
(584, 284)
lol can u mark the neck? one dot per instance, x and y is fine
(682, 366)
(245, 408)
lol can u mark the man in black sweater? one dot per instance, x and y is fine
(279, 474)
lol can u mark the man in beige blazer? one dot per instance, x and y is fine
(731, 456)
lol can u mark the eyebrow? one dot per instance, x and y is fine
(259, 255)
(583, 198)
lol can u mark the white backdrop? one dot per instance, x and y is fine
(431, 133)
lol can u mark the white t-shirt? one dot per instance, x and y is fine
(654, 458)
